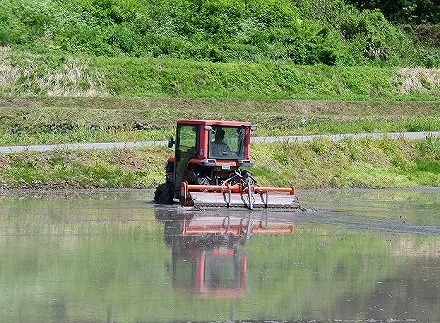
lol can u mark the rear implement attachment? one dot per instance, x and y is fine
(238, 195)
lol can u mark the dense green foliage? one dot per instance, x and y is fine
(210, 49)
(301, 32)
(419, 18)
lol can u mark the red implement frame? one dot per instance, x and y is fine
(237, 195)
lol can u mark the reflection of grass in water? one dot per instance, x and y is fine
(91, 265)
(109, 260)
(315, 268)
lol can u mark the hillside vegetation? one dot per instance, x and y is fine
(28, 74)
(49, 120)
(289, 49)
(292, 49)
(112, 70)
(320, 163)
(296, 31)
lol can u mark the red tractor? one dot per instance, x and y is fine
(206, 169)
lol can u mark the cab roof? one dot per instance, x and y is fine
(224, 123)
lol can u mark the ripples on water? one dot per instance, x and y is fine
(355, 255)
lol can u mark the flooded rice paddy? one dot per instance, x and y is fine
(352, 256)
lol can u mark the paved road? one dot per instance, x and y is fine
(339, 137)
(116, 145)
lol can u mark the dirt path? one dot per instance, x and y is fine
(121, 145)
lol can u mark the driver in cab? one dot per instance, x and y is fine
(218, 147)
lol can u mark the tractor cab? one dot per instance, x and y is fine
(207, 152)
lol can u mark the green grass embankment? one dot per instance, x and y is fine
(26, 74)
(46, 120)
(59, 99)
(81, 71)
(350, 163)
(320, 163)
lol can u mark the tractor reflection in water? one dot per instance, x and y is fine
(206, 259)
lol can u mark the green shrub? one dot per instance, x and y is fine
(300, 32)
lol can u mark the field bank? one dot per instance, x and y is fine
(320, 163)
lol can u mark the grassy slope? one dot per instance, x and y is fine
(55, 120)
(48, 101)
(27, 74)
(351, 163)
(59, 97)
(321, 163)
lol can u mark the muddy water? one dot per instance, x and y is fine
(354, 255)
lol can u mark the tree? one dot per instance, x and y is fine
(404, 11)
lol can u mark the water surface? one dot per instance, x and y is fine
(354, 255)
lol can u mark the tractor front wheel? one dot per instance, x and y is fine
(164, 194)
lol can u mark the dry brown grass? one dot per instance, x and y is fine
(8, 73)
(410, 80)
(72, 78)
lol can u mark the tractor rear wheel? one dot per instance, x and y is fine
(164, 194)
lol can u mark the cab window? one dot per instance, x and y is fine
(186, 147)
(226, 142)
